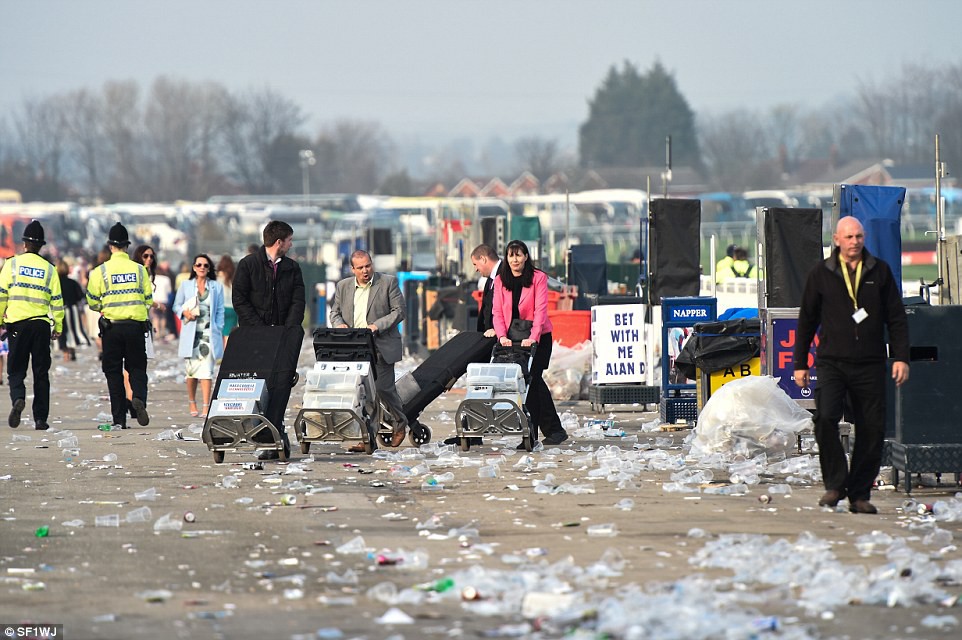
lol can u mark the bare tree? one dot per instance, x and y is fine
(40, 130)
(84, 120)
(252, 122)
(356, 155)
(124, 136)
(181, 121)
(737, 152)
(539, 156)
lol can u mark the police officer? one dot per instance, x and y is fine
(121, 291)
(30, 302)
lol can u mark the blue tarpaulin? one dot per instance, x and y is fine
(879, 209)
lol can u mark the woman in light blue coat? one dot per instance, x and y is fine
(200, 305)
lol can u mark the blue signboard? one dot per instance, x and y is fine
(783, 367)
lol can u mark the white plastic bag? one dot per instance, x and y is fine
(751, 408)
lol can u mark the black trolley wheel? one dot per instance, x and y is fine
(218, 457)
(465, 442)
(420, 434)
(526, 441)
(385, 438)
(305, 447)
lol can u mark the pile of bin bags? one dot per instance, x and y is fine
(716, 346)
(751, 413)
(754, 411)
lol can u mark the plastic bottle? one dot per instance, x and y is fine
(42, 532)
(104, 427)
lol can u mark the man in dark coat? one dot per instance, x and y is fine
(269, 291)
(853, 297)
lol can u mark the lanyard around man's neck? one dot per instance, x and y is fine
(852, 290)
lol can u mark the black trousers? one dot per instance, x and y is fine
(124, 348)
(539, 403)
(29, 343)
(864, 383)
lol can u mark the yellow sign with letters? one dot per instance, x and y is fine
(751, 368)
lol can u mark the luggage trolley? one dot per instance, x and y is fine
(253, 385)
(436, 375)
(340, 399)
(494, 403)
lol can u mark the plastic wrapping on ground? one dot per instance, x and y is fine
(752, 408)
(568, 369)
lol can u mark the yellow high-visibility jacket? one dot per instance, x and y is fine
(30, 288)
(120, 289)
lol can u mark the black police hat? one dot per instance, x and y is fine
(118, 236)
(33, 232)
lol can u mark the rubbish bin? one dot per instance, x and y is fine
(718, 352)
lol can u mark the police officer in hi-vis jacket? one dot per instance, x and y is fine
(30, 305)
(121, 291)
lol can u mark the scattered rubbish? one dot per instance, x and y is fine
(167, 523)
(42, 532)
(394, 616)
(140, 514)
(146, 494)
(113, 520)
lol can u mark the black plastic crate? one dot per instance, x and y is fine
(344, 345)
(601, 395)
(684, 408)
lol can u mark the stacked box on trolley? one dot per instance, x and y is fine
(338, 386)
(496, 380)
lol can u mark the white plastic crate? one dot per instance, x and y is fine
(501, 376)
(324, 381)
(322, 400)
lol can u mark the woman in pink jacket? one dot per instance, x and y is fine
(521, 291)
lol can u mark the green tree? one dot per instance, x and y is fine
(630, 116)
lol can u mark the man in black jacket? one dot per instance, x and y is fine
(853, 297)
(486, 261)
(268, 290)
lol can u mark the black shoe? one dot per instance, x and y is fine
(556, 438)
(831, 498)
(862, 506)
(140, 410)
(521, 446)
(15, 411)
(472, 441)
(41, 425)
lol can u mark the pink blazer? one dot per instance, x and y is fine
(533, 306)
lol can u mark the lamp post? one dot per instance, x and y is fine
(307, 161)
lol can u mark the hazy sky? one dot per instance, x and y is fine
(458, 68)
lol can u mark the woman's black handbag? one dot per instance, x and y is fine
(520, 330)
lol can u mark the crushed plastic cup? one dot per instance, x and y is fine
(70, 442)
(146, 494)
(229, 482)
(140, 514)
(168, 523)
(20, 437)
(607, 530)
(112, 520)
(70, 454)
(110, 457)
(489, 471)
(626, 504)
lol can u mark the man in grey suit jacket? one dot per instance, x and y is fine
(381, 296)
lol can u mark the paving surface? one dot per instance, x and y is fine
(266, 553)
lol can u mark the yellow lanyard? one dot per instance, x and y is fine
(852, 292)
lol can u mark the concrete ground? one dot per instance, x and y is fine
(261, 556)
